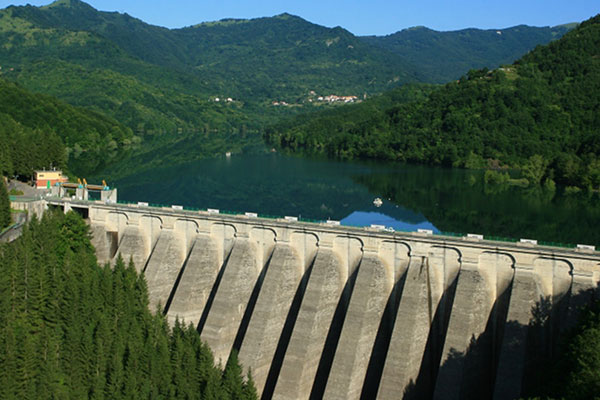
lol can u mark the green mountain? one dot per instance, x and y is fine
(156, 79)
(85, 69)
(445, 56)
(164, 84)
(39, 131)
(539, 114)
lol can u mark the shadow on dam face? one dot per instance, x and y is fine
(382, 342)
(535, 347)
(286, 334)
(425, 382)
(333, 337)
(213, 293)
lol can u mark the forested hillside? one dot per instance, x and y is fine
(38, 131)
(184, 94)
(157, 80)
(446, 56)
(71, 329)
(540, 114)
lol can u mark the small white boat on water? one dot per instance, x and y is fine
(378, 202)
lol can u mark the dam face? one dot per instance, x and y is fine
(324, 311)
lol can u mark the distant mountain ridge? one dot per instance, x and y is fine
(444, 56)
(267, 54)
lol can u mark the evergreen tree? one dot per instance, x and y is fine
(5, 218)
(249, 388)
(233, 383)
(72, 329)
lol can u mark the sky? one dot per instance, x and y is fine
(364, 17)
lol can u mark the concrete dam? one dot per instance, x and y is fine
(327, 311)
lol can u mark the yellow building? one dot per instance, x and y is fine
(47, 179)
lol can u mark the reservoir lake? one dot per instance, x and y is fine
(414, 197)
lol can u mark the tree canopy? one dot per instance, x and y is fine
(72, 329)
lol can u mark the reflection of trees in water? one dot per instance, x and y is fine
(458, 201)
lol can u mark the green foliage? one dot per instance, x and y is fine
(492, 177)
(574, 371)
(540, 113)
(38, 131)
(161, 84)
(583, 355)
(444, 56)
(534, 169)
(72, 329)
(5, 218)
(475, 161)
(159, 80)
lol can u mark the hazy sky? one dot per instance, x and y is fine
(365, 17)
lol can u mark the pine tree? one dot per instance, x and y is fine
(233, 384)
(249, 389)
(5, 218)
(72, 329)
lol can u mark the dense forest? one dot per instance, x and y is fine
(539, 114)
(39, 131)
(157, 80)
(5, 217)
(70, 329)
(446, 56)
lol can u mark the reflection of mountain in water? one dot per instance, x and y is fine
(270, 184)
(451, 200)
(458, 201)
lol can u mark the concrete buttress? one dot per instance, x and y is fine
(102, 244)
(513, 353)
(321, 297)
(270, 312)
(163, 267)
(430, 273)
(369, 297)
(471, 309)
(197, 281)
(232, 296)
(135, 246)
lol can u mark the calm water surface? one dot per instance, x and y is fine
(413, 196)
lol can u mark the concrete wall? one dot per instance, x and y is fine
(32, 207)
(320, 311)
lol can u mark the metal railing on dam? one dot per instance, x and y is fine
(318, 310)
